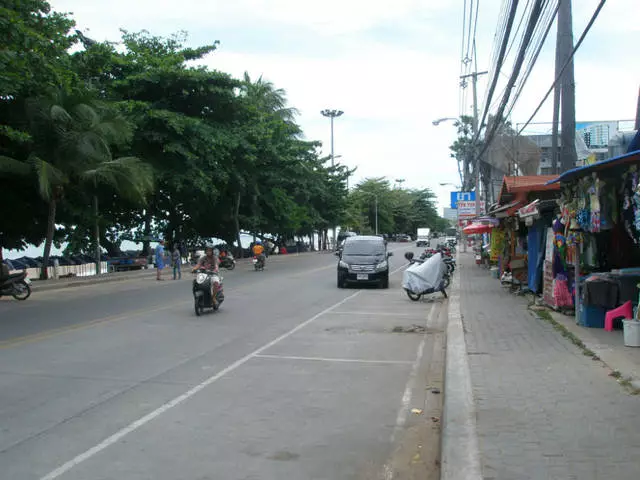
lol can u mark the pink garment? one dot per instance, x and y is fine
(561, 293)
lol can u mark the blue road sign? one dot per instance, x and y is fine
(462, 197)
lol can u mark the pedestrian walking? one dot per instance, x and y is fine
(159, 259)
(176, 259)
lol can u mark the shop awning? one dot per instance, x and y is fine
(477, 228)
(506, 210)
(569, 175)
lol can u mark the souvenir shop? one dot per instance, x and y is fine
(527, 206)
(593, 245)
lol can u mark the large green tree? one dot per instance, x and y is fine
(70, 148)
(33, 59)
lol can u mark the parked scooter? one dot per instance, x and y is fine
(228, 261)
(202, 296)
(17, 285)
(429, 285)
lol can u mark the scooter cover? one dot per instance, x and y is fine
(423, 277)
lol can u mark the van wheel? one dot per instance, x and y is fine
(385, 282)
(340, 282)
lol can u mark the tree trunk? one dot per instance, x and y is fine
(97, 234)
(236, 223)
(51, 226)
(147, 231)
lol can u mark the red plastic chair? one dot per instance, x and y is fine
(625, 311)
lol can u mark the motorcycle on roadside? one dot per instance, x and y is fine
(424, 277)
(17, 285)
(202, 290)
(227, 261)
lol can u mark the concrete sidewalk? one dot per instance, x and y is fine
(608, 346)
(542, 409)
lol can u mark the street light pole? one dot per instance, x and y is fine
(332, 114)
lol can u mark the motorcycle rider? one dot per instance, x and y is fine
(210, 262)
(258, 251)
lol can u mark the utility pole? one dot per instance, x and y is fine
(568, 155)
(556, 106)
(474, 83)
(332, 114)
(637, 126)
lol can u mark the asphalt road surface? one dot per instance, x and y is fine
(292, 378)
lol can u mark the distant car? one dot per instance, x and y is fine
(403, 238)
(364, 260)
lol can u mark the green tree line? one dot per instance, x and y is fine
(104, 142)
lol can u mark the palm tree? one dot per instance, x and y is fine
(267, 98)
(71, 139)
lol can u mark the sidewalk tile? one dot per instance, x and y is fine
(544, 410)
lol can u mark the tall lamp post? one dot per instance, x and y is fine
(332, 114)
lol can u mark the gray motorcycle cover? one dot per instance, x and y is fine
(423, 277)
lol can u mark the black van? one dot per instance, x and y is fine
(364, 259)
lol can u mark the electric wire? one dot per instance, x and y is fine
(531, 24)
(566, 63)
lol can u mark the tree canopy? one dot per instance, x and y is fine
(104, 143)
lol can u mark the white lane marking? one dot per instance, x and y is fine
(397, 269)
(401, 418)
(328, 359)
(107, 442)
(382, 314)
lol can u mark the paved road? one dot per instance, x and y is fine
(292, 378)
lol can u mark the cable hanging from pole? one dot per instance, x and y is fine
(533, 20)
(496, 73)
(566, 63)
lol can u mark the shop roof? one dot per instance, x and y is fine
(579, 172)
(528, 183)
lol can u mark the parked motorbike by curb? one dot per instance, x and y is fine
(228, 262)
(17, 285)
(202, 287)
(424, 277)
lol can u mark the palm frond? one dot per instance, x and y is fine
(86, 115)
(59, 114)
(48, 176)
(129, 176)
(11, 166)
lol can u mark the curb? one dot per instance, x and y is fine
(460, 458)
(42, 286)
(45, 285)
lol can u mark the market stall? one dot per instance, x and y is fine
(596, 238)
(523, 205)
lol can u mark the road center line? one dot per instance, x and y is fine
(107, 442)
(328, 359)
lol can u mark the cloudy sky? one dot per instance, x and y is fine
(392, 67)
